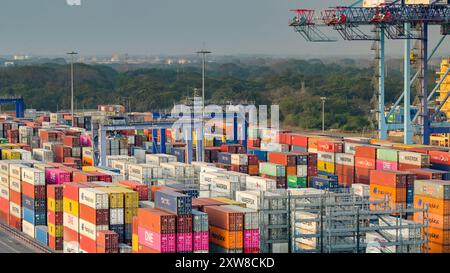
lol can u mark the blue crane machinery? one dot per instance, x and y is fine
(395, 20)
(18, 101)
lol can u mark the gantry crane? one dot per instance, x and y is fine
(395, 20)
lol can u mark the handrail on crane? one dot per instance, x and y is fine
(303, 17)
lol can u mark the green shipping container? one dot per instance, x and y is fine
(387, 155)
(272, 169)
(297, 182)
(3, 141)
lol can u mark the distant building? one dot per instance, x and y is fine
(115, 58)
(8, 64)
(21, 57)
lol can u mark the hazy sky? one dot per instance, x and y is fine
(51, 27)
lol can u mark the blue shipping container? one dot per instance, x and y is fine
(33, 204)
(323, 183)
(41, 234)
(224, 158)
(173, 202)
(37, 218)
(262, 155)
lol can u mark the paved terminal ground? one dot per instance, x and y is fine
(11, 245)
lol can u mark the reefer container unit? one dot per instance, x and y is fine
(173, 202)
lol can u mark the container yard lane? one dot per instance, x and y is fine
(11, 245)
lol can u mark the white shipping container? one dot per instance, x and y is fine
(345, 159)
(76, 152)
(198, 165)
(94, 198)
(250, 198)
(307, 221)
(173, 169)
(206, 177)
(43, 155)
(280, 247)
(28, 228)
(15, 210)
(71, 247)
(210, 169)
(115, 177)
(302, 170)
(224, 186)
(377, 244)
(416, 159)
(326, 157)
(239, 159)
(71, 221)
(15, 184)
(350, 148)
(90, 230)
(4, 180)
(33, 176)
(4, 192)
(259, 183)
(116, 217)
(362, 190)
(141, 171)
(122, 166)
(159, 158)
(24, 154)
(15, 171)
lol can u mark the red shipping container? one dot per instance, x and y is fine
(366, 151)
(35, 192)
(407, 167)
(102, 177)
(252, 159)
(94, 216)
(254, 143)
(225, 218)
(299, 140)
(70, 235)
(15, 222)
(284, 159)
(71, 190)
(157, 221)
(71, 141)
(239, 168)
(87, 244)
(426, 174)
(201, 203)
(4, 205)
(393, 179)
(140, 188)
(15, 197)
(330, 146)
(55, 192)
(56, 218)
(79, 176)
(439, 157)
(55, 243)
(107, 239)
(365, 163)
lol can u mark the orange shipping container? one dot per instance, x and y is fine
(439, 236)
(253, 169)
(291, 170)
(226, 239)
(434, 220)
(435, 206)
(395, 195)
(437, 248)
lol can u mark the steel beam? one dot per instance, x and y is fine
(425, 119)
(381, 90)
(408, 130)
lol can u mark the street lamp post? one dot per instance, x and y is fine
(72, 54)
(203, 52)
(323, 99)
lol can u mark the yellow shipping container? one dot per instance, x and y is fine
(55, 230)
(230, 201)
(134, 243)
(10, 155)
(89, 169)
(129, 214)
(116, 197)
(325, 166)
(70, 206)
(55, 205)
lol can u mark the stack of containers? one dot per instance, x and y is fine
(345, 169)
(71, 220)
(224, 160)
(226, 228)
(253, 164)
(15, 195)
(365, 161)
(93, 217)
(131, 204)
(273, 171)
(55, 216)
(239, 163)
(434, 195)
(34, 205)
(306, 168)
(391, 185)
(155, 230)
(411, 160)
(116, 210)
(4, 198)
(180, 205)
(425, 174)
(326, 150)
(200, 234)
(56, 176)
(141, 189)
(289, 161)
(251, 228)
(387, 159)
(298, 142)
(107, 242)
